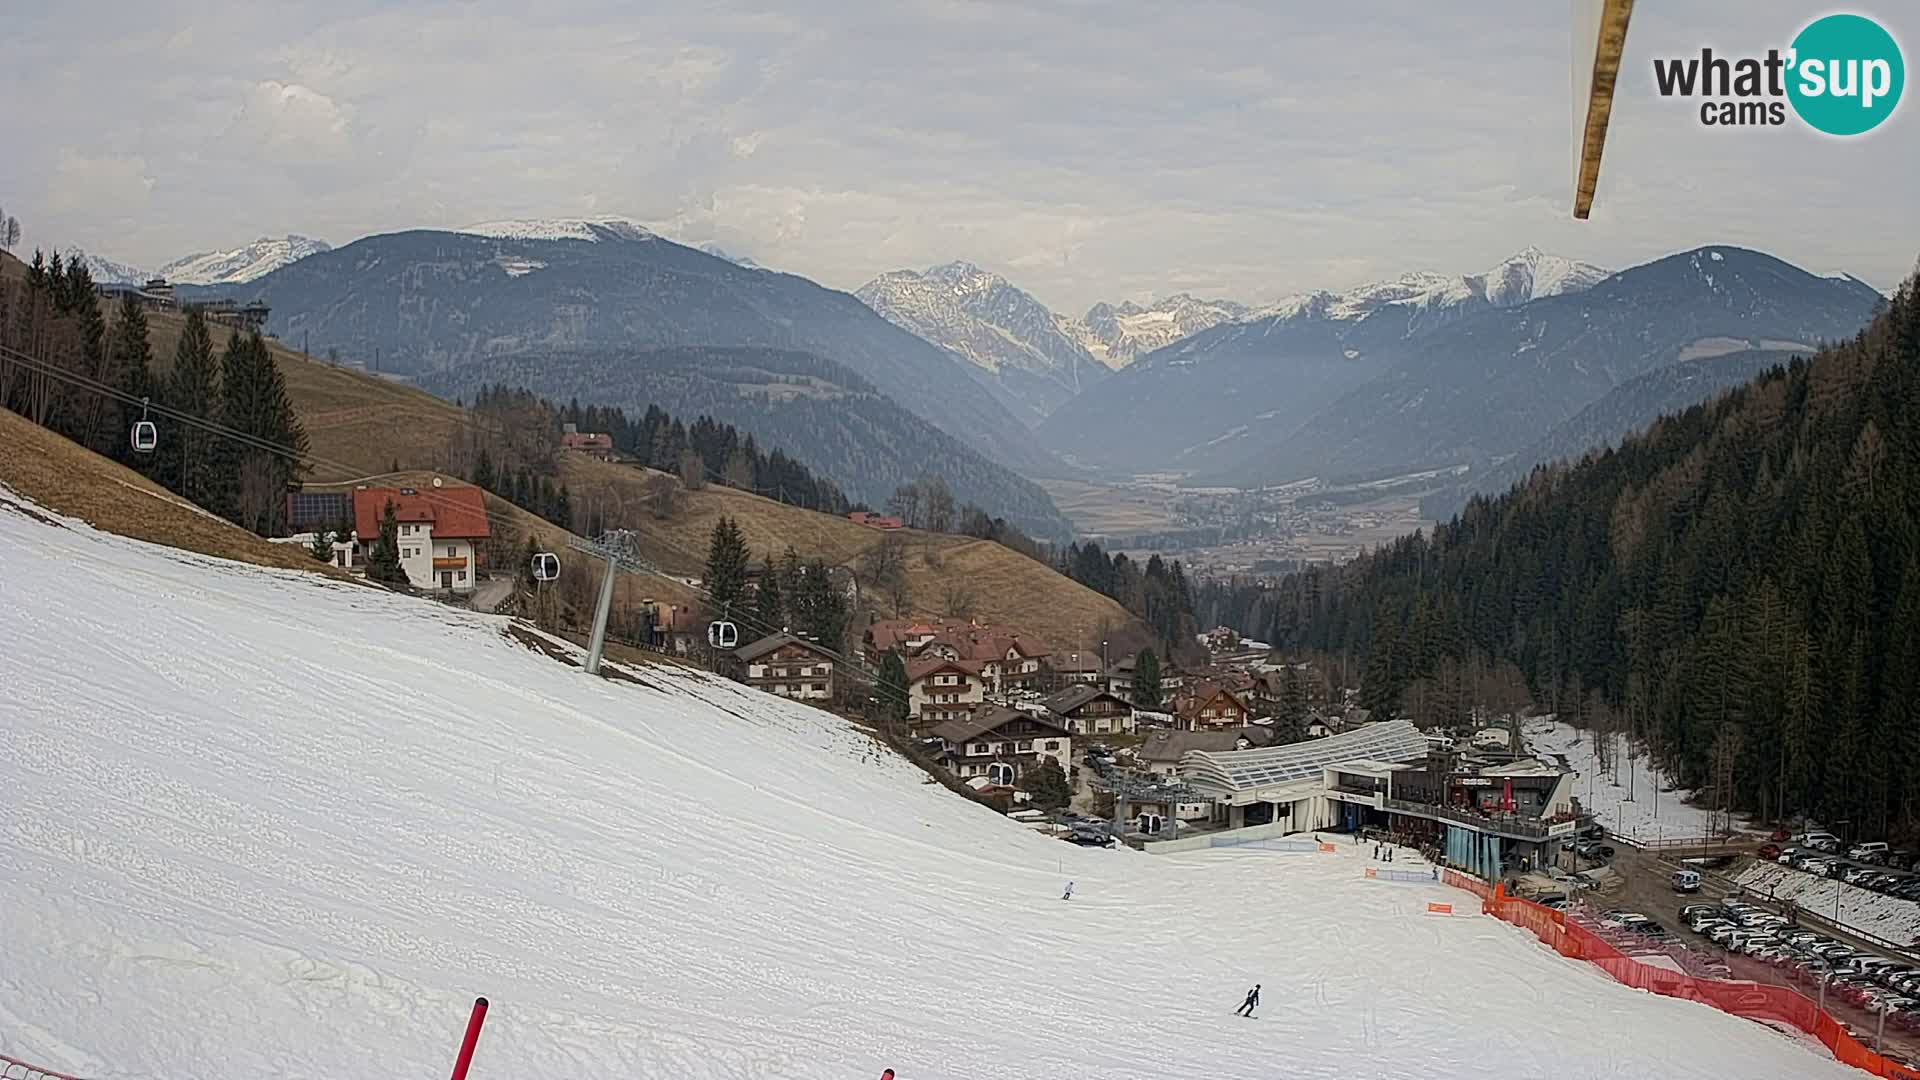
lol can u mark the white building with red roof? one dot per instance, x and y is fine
(439, 530)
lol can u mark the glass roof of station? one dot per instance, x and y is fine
(1242, 770)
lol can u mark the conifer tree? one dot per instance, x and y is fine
(383, 561)
(727, 557)
(1147, 692)
(769, 603)
(190, 456)
(255, 402)
(129, 370)
(892, 689)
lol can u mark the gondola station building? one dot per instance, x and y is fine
(1484, 817)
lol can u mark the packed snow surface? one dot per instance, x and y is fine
(1624, 801)
(258, 824)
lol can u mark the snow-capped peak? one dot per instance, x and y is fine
(106, 271)
(591, 229)
(1117, 334)
(254, 260)
(1527, 275)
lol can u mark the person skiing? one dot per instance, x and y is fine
(1068, 895)
(1253, 1000)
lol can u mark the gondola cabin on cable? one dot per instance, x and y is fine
(722, 634)
(145, 436)
(546, 566)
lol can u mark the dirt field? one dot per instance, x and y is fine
(61, 475)
(1097, 508)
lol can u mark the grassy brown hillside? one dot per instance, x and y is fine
(62, 475)
(360, 424)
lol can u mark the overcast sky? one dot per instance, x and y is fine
(1088, 150)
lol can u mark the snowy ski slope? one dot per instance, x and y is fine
(257, 825)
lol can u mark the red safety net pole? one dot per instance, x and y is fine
(473, 1037)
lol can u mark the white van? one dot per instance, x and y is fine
(1822, 841)
(1686, 881)
(1873, 851)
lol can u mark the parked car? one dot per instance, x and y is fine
(1872, 851)
(1769, 852)
(1821, 841)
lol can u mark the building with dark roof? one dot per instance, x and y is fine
(1090, 710)
(1001, 744)
(789, 666)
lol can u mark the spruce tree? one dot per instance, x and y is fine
(1147, 693)
(483, 471)
(255, 401)
(130, 371)
(819, 608)
(769, 604)
(383, 562)
(892, 690)
(1293, 706)
(727, 558)
(191, 456)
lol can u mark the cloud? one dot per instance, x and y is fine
(293, 123)
(1090, 151)
(82, 183)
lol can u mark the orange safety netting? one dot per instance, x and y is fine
(1755, 1001)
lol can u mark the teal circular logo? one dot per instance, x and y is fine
(1846, 76)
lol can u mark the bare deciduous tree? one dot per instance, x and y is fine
(958, 600)
(693, 469)
(938, 500)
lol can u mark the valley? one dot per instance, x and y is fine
(1222, 531)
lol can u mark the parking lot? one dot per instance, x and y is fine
(1760, 946)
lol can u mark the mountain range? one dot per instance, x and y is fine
(1022, 350)
(1033, 358)
(232, 266)
(1625, 410)
(1482, 388)
(1205, 402)
(825, 416)
(1429, 370)
(424, 302)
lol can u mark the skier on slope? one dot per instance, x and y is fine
(1068, 895)
(1253, 1000)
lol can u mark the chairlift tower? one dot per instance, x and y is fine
(619, 549)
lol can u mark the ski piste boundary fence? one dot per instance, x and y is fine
(15, 1069)
(1748, 1000)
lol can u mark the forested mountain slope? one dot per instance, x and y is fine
(818, 411)
(1741, 584)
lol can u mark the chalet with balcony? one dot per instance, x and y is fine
(940, 690)
(788, 666)
(1210, 706)
(1001, 744)
(1089, 710)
